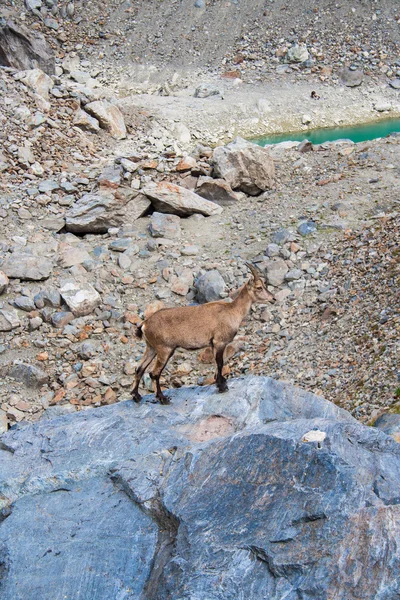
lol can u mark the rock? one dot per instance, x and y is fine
(164, 226)
(170, 198)
(72, 255)
(205, 90)
(98, 212)
(93, 213)
(209, 286)
(305, 146)
(205, 463)
(281, 236)
(85, 121)
(395, 84)
(389, 423)
(245, 166)
(3, 282)
(306, 119)
(61, 318)
(27, 267)
(216, 190)
(129, 165)
(9, 320)
(297, 53)
(350, 78)
(307, 227)
(24, 303)
(109, 117)
(383, 106)
(120, 244)
(81, 299)
(182, 134)
(24, 49)
(181, 284)
(185, 164)
(275, 271)
(29, 375)
(47, 297)
(38, 81)
(111, 177)
(293, 274)
(35, 323)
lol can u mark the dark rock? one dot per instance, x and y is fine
(31, 376)
(209, 286)
(216, 496)
(305, 146)
(24, 49)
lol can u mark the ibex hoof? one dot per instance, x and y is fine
(136, 397)
(223, 387)
(163, 399)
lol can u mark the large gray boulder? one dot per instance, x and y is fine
(170, 198)
(245, 166)
(96, 212)
(22, 49)
(216, 496)
(27, 267)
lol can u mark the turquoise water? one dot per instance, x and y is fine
(359, 133)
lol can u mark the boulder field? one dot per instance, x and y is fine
(267, 491)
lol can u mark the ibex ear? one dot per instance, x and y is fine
(254, 271)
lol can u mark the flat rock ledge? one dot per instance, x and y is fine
(266, 491)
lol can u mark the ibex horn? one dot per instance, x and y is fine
(255, 272)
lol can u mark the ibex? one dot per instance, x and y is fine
(213, 324)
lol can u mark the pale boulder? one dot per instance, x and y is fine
(171, 198)
(245, 166)
(109, 117)
(81, 299)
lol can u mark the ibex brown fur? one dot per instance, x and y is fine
(213, 324)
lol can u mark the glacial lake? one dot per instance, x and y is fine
(358, 133)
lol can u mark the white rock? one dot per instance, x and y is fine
(81, 299)
(109, 117)
(306, 119)
(38, 81)
(315, 435)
